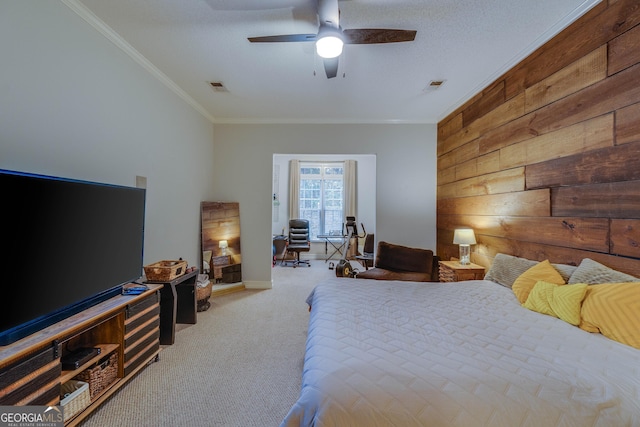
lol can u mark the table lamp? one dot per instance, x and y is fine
(223, 245)
(464, 237)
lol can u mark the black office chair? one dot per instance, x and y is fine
(298, 240)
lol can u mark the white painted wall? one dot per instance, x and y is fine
(72, 104)
(405, 184)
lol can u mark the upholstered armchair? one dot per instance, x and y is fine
(395, 262)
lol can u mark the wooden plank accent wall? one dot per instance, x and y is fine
(545, 162)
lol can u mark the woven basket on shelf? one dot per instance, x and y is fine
(75, 398)
(100, 376)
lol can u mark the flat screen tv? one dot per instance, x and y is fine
(68, 245)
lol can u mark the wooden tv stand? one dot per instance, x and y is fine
(31, 371)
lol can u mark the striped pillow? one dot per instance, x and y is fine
(541, 271)
(613, 309)
(560, 301)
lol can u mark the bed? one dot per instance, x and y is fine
(455, 354)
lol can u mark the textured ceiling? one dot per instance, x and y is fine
(466, 43)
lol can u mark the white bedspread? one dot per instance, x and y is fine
(455, 354)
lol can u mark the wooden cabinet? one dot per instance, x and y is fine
(232, 273)
(224, 271)
(453, 271)
(126, 327)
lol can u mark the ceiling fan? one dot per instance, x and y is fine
(331, 37)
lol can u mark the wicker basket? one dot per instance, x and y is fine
(204, 292)
(164, 271)
(100, 376)
(75, 396)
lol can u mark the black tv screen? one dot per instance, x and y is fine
(70, 245)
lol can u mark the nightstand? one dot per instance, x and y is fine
(453, 271)
(217, 263)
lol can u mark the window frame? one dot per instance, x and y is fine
(323, 176)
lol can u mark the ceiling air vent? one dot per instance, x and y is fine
(433, 85)
(218, 87)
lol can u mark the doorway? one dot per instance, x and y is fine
(365, 200)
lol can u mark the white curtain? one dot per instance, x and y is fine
(350, 193)
(294, 189)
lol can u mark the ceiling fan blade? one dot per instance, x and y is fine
(329, 13)
(331, 67)
(377, 35)
(284, 38)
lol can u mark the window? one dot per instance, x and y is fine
(321, 197)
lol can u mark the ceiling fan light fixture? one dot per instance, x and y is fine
(329, 43)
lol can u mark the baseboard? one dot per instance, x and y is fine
(255, 284)
(219, 290)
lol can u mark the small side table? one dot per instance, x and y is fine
(217, 263)
(177, 304)
(453, 271)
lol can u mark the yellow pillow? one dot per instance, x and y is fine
(613, 309)
(540, 297)
(562, 301)
(542, 271)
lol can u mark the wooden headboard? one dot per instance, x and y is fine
(545, 162)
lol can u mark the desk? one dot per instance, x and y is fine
(338, 246)
(178, 304)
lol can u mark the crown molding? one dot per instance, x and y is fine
(86, 14)
(82, 11)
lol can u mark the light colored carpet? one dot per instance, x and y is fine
(240, 365)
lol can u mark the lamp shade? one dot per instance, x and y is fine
(464, 236)
(223, 244)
